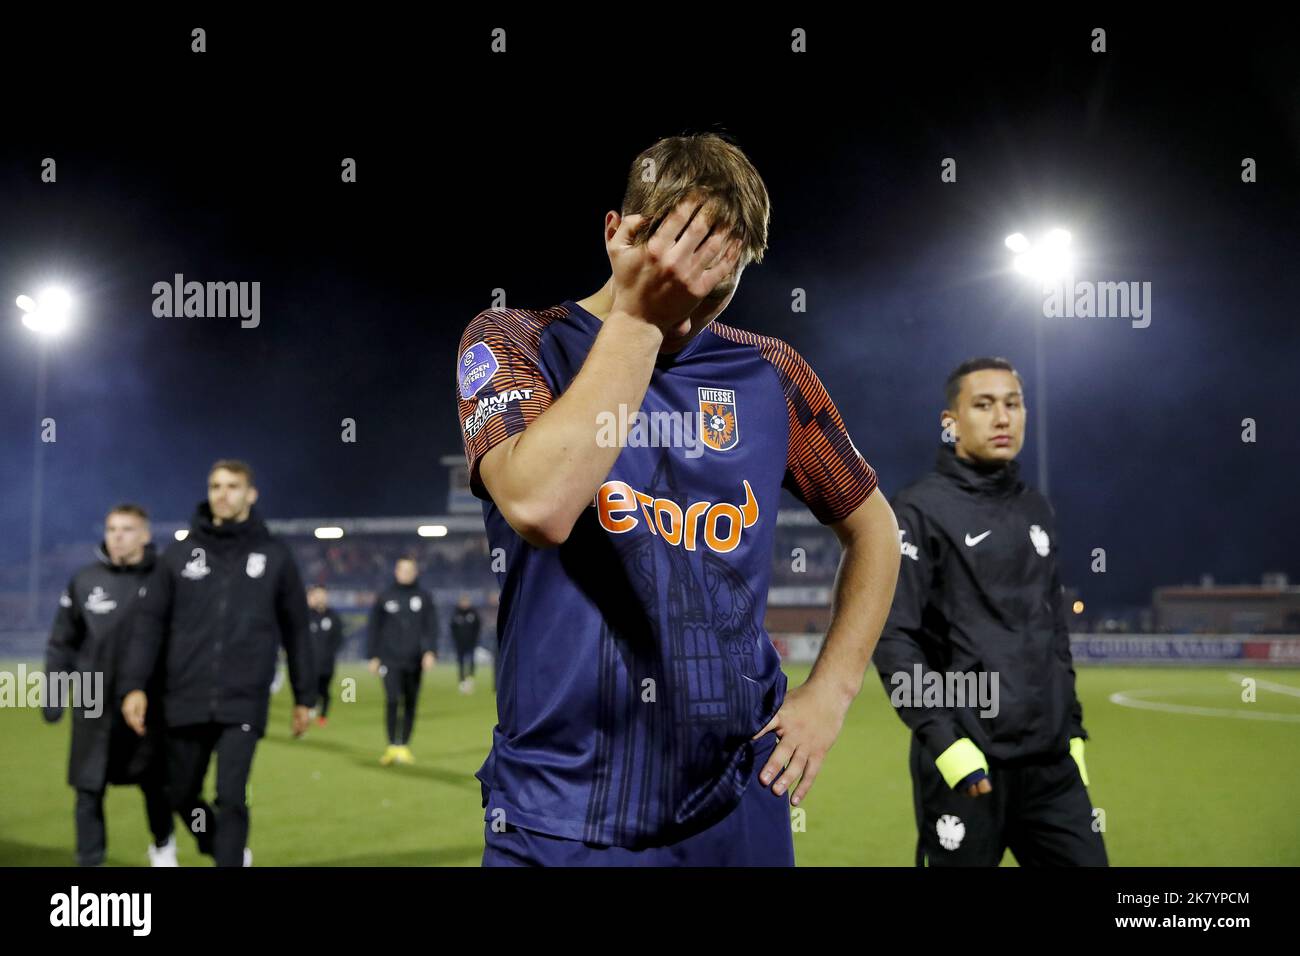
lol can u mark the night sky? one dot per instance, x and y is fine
(478, 171)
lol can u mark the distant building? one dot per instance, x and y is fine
(1271, 607)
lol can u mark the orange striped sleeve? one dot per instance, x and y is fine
(824, 469)
(500, 388)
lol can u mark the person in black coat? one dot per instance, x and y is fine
(465, 627)
(216, 609)
(327, 637)
(401, 639)
(89, 637)
(975, 654)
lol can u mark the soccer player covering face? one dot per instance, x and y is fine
(643, 718)
(994, 765)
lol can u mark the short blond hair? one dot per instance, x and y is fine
(676, 167)
(233, 465)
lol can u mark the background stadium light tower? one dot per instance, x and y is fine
(46, 316)
(1046, 262)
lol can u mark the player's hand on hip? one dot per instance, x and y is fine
(662, 278)
(134, 706)
(807, 724)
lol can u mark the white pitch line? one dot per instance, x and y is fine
(1127, 700)
(1266, 684)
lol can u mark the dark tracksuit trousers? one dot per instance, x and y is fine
(402, 691)
(465, 659)
(323, 688)
(92, 837)
(1039, 809)
(222, 832)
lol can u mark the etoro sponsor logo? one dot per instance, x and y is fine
(616, 500)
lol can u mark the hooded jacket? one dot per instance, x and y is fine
(216, 610)
(979, 591)
(90, 635)
(403, 626)
(326, 629)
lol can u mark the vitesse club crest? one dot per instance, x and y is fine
(718, 408)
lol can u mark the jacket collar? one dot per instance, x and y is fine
(252, 527)
(995, 480)
(145, 563)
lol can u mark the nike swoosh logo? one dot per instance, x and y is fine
(971, 542)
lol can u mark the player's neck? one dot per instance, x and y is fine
(600, 303)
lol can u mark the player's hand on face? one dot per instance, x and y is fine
(663, 279)
(807, 724)
(301, 720)
(373, 666)
(134, 706)
(428, 660)
(975, 789)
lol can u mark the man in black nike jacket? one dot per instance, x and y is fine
(216, 609)
(976, 652)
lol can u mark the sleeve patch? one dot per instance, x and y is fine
(476, 368)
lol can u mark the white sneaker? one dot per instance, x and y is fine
(463, 688)
(164, 855)
(469, 685)
(248, 857)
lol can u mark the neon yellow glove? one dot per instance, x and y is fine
(960, 760)
(1076, 751)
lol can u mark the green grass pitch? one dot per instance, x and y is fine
(1185, 779)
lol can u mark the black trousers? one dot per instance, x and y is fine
(465, 660)
(1039, 810)
(401, 688)
(92, 837)
(323, 693)
(222, 832)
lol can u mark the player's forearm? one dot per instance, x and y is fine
(864, 590)
(553, 470)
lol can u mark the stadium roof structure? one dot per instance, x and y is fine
(1225, 592)
(402, 525)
